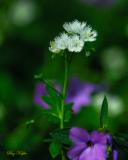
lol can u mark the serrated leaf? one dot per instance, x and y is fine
(55, 149)
(68, 112)
(104, 113)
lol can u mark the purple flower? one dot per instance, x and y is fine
(115, 155)
(87, 146)
(40, 91)
(79, 93)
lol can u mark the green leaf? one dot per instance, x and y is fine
(61, 136)
(29, 123)
(68, 112)
(48, 100)
(52, 92)
(123, 135)
(38, 76)
(53, 102)
(52, 113)
(104, 113)
(50, 86)
(51, 116)
(55, 149)
(47, 140)
(121, 140)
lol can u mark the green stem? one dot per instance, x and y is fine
(64, 92)
(63, 157)
(63, 97)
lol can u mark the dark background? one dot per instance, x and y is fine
(26, 28)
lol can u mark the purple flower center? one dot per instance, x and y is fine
(90, 143)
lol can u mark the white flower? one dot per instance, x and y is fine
(88, 35)
(53, 47)
(74, 39)
(60, 43)
(74, 27)
(75, 44)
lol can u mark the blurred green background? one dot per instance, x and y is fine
(26, 27)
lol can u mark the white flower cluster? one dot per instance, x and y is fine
(74, 38)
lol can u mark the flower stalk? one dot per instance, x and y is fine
(63, 97)
(64, 91)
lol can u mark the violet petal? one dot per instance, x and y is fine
(76, 150)
(98, 137)
(40, 91)
(97, 152)
(79, 135)
(115, 155)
